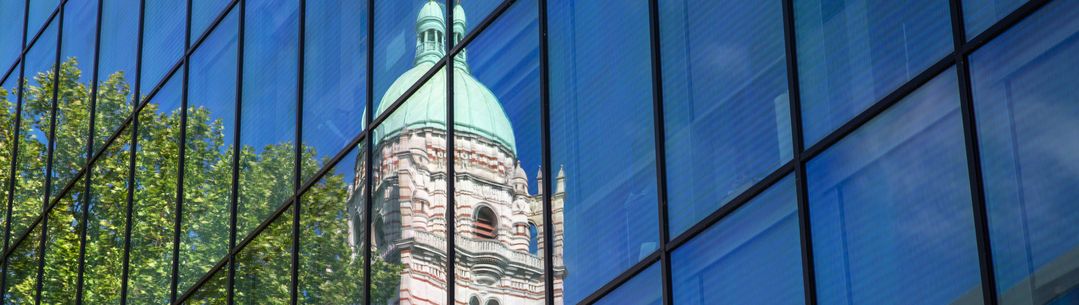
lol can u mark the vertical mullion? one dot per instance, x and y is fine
(368, 178)
(83, 225)
(451, 172)
(660, 149)
(294, 273)
(545, 147)
(181, 166)
(49, 158)
(125, 275)
(974, 170)
(800, 158)
(235, 179)
(14, 151)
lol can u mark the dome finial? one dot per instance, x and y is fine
(430, 33)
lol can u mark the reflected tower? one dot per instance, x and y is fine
(499, 240)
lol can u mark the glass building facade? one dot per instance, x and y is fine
(504, 152)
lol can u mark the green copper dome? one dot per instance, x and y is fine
(476, 110)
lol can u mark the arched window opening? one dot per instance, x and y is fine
(474, 301)
(486, 223)
(533, 239)
(492, 302)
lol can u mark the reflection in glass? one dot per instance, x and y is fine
(890, 207)
(497, 136)
(1025, 103)
(22, 266)
(40, 10)
(212, 292)
(115, 67)
(61, 266)
(602, 139)
(396, 41)
(11, 32)
(268, 117)
(8, 101)
(211, 115)
(331, 240)
(107, 222)
(154, 205)
(163, 40)
(73, 97)
(408, 216)
(643, 289)
(979, 15)
(34, 130)
(725, 101)
(262, 267)
(203, 13)
(752, 256)
(335, 78)
(853, 53)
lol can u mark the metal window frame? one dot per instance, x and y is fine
(958, 58)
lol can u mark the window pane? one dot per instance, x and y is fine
(853, 53)
(409, 257)
(331, 238)
(154, 211)
(8, 100)
(34, 129)
(212, 292)
(497, 137)
(116, 67)
(263, 266)
(752, 256)
(211, 117)
(203, 13)
(335, 78)
(11, 12)
(22, 266)
(163, 40)
(643, 289)
(61, 264)
(1024, 99)
(395, 50)
(725, 101)
(73, 96)
(107, 223)
(890, 207)
(268, 132)
(40, 10)
(466, 14)
(979, 15)
(602, 139)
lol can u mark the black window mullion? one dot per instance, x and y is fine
(49, 158)
(451, 155)
(175, 280)
(234, 195)
(545, 163)
(85, 208)
(660, 147)
(125, 274)
(368, 160)
(14, 153)
(297, 170)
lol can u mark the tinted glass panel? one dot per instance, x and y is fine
(163, 40)
(212, 292)
(22, 266)
(497, 137)
(399, 41)
(890, 207)
(263, 266)
(750, 257)
(154, 207)
(981, 14)
(1024, 100)
(852, 53)
(203, 13)
(73, 95)
(11, 12)
(268, 118)
(40, 10)
(331, 239)
(335, 78)
(63, 228)
(107, 223)
(9, 101)
(115, 67)
(724, 101)
(410, 257)
(211, 117)
(602, 138)
(643, 289)
(34, 131)
(466, 14)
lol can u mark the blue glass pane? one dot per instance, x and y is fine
(472, 12)
(602, 139)
(73, 98)
(330, 226)
(643, 289)
(40, 10)
(890, 207)
(724, 101)
(397, 41)
(34, 127)
(335, 78)
(853, 53)
(163, 40)
(210, 134)
(116, 67)
(1025, 103)
(269, 110)
(752, 256)
(11, 12)
(979, 15)
(203, 12)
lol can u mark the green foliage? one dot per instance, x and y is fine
(330, 272)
